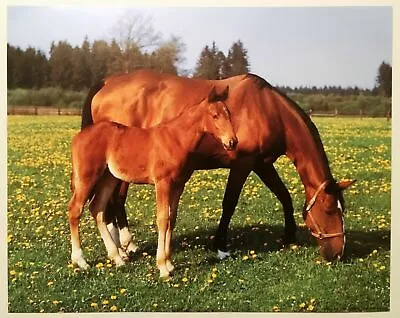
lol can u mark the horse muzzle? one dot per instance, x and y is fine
(231, 144)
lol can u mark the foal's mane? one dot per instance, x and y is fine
(263, 84)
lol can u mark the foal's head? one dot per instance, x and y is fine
(217, 119)
(324, 217)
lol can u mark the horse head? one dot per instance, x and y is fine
(217, 120)
(323, 216)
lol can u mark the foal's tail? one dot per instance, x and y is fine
(87, 118)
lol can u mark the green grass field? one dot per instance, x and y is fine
(261, 275)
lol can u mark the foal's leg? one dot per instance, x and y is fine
(104, 189)
(75, 208)
(163, 192)
(175, 196)
(271, 179)
(237, 178)
(117, 222)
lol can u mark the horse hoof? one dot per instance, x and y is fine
(119, 262)
(131, 248)
(170, 267)
(123, 254)
(222, 255)
(81, 264)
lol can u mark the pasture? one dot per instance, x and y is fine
(261, 276)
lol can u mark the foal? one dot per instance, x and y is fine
(106, 153)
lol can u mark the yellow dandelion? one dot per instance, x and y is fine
(245, 257)
(276, 308)
(113, 308)
(252, 252)
(209, 280)
(105, 302)
(382, 267)
(213, 275)
(184, 279)
(13, 272)
(94, 305)
(55, 302)
(302, 305)
(99, 265)
(113, 297)
(50, 283)
(122, 291)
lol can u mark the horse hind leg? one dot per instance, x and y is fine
(126, 237)
(117, 222)
(104, 189)
(75, 208)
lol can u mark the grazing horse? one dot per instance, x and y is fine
(268, 124)
(107, 152)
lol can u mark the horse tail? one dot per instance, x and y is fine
(87, 118)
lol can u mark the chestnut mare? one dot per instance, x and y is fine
(268, 124)
(105, 153)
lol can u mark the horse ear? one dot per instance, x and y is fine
(344, 184)
(212, 96)
(225, 93)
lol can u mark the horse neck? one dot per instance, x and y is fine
(187, 128)
(304, 146)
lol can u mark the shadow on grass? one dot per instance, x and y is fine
(268, 238)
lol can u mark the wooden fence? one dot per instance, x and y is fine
(42, 110)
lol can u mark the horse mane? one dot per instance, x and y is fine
(263, 84)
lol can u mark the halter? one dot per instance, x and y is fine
(319, 234)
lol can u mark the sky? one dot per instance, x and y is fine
(294, 46)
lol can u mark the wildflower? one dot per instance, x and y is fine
(213, 275)
(275, 308)
(113, 297)
(99, 265)
(245, 257)
(93, 305)
(113, 308)
(55, 302)
(50, 283)
(122, 291)
(302, 305)
(105, 302)
(310, 307)
(13, 272)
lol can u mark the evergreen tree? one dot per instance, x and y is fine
(384, 79)
(237, 61)
(82, 72)
(209, 65)
(100, 55)
(61, 64)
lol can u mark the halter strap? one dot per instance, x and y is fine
(319, 234)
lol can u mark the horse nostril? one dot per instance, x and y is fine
(232, 143)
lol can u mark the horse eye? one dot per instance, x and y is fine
(215, 116)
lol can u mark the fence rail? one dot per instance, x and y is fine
(42, 110)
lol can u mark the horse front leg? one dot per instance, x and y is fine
(268, 174)
(175, 196)
(237, 178)
(163, 196)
